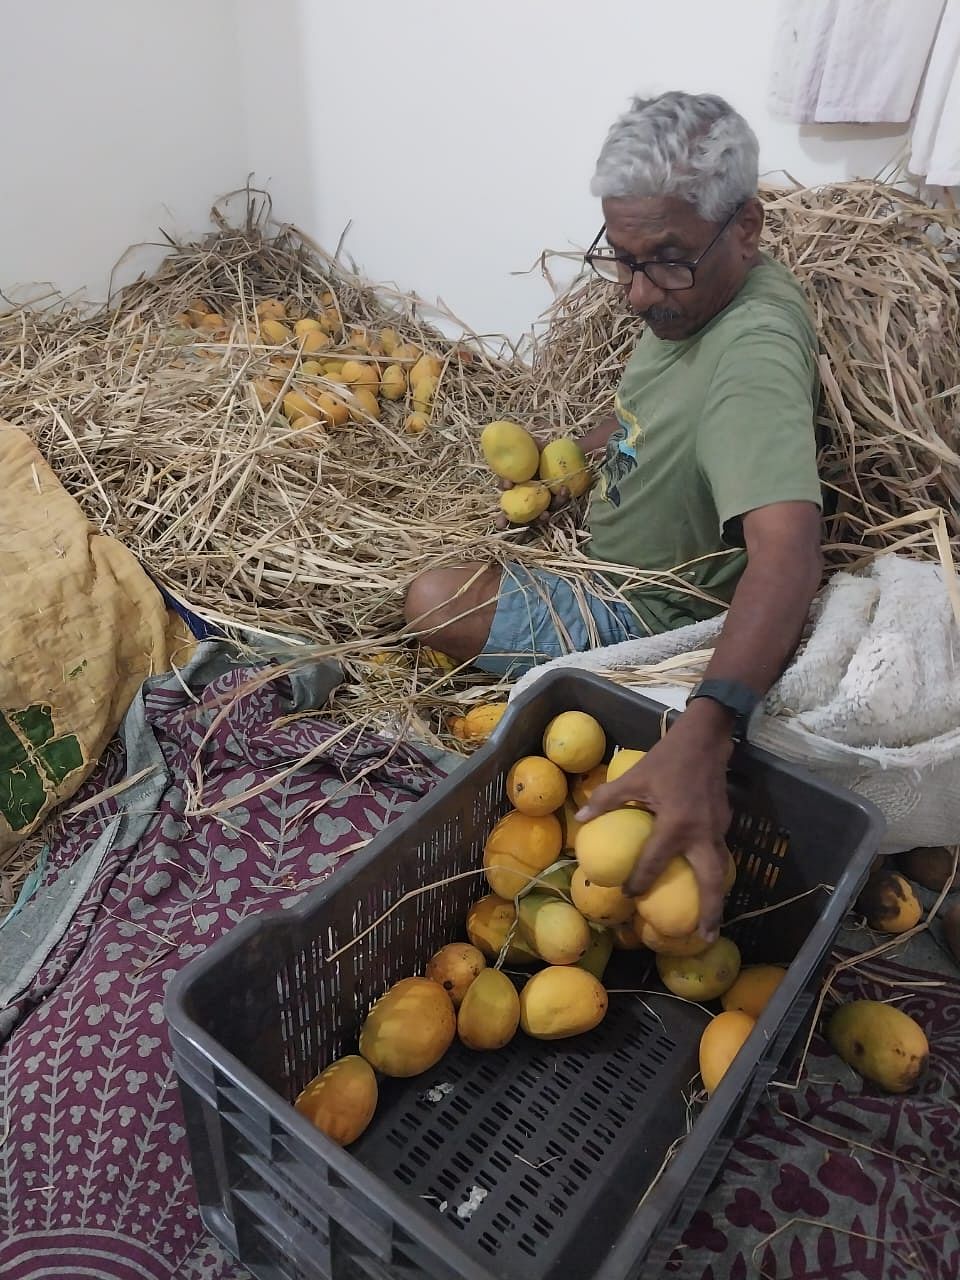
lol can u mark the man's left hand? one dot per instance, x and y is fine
(682, 782)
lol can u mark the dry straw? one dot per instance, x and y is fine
(316, 533)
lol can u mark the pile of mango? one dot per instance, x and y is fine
(556, 900)
(326, 374)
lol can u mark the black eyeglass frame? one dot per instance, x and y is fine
(594, 254)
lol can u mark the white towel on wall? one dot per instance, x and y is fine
(859, 61)
(935, 151)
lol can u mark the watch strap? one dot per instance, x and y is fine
(735, 696)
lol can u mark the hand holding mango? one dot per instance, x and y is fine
(532, 480)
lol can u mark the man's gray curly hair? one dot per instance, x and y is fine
(695, 147)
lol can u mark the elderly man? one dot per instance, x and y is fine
(709, 470)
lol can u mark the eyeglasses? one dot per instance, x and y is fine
(620, 268)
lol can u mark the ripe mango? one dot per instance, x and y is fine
(691, 945)
(393, 383)
(626, 938)
(427, 366)
(306, 325)
(597, 955)
(570, 825)
(480, 722)
(518, 849)
(341, 1100)
(524, 502)
(490, 1012)
(608, 847)
(889, 904)
(585, 784)
(598, 903)
(723, 1038)
(366, 405)
(332, 409)
(753, 988)
(314, 341)
(274, 332)
(455, 966)
(881, 1042)
(672, 903)
(271, 309)
(564, 465)
(553, 928)
(489, 922)
(356, 374)
(409, 1029)
(423, 393)
(415, 424)
(704, 976)
(575, 741)
(294, 404)
(536, 786)
(562, 1001)
(623, 759)
(389, 341)
(510, 452)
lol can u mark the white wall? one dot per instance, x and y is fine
(120, 116)
(460, 139)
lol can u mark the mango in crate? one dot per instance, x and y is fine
(554, 929)
(623, 760)
(510, 451)
(722, 1039)
(524, 502)
(599, 904)
(575, 741)
(753, 989)
(409, 1029)
(597, 955)
(570, 825)
(536, 786)
(704, 976)
(490, 1012)
(564, 465)
(672, 903)
(562, 1001)
(518, 849)
(584, 784)
(609, 846)
(626, 938)
(692, 944)
(455, 966)
(881, 1042)
(489, 923)
(341, 1100)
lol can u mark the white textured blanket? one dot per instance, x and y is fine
(871, 702)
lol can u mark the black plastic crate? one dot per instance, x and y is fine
(565, 1137)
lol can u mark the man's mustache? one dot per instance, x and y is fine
(659, 315)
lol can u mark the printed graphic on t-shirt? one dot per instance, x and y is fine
(621, 455)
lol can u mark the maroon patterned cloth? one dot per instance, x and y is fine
(95, 1177)
(835, 1179)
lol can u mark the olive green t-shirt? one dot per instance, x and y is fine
(711, 427)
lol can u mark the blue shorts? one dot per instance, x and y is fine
(540, 616)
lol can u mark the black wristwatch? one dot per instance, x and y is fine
(736, 697)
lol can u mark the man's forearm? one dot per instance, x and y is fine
(596, 438)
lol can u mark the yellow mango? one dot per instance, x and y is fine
(599, 903)
(266, 390)
(330, 322)
(609, 846)
(881, 1042)
(489, 922)
(294, 403)
(393, 383)
(366, 405)
(490, 1012)
(306, 325)
(690, 945)
(536, 786)
(303, 421)
(423, 393)
(332, 409)
(585, 784)
(481, 721)
(274, 332)
(575, 741)
(626, 938)
(889, 903)
(409, 1029)
(722, 1039)
(704, 976)
(389, 341)
(311, 369)
(597, 955)
(271, 309)
(341, 1100)
(510, 451)
(562, 1001)
(314, 341)
(518, 849)
(753, 988)
(524, 502)
(455, 966)
(672, 903)
(730, 874)
(564, 465)
(357, 373)
(415, 424)
(554, 929)
(426, 367)
(621, 762)
(570, 825)
(407, 352)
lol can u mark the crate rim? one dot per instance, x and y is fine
(656, 1200)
